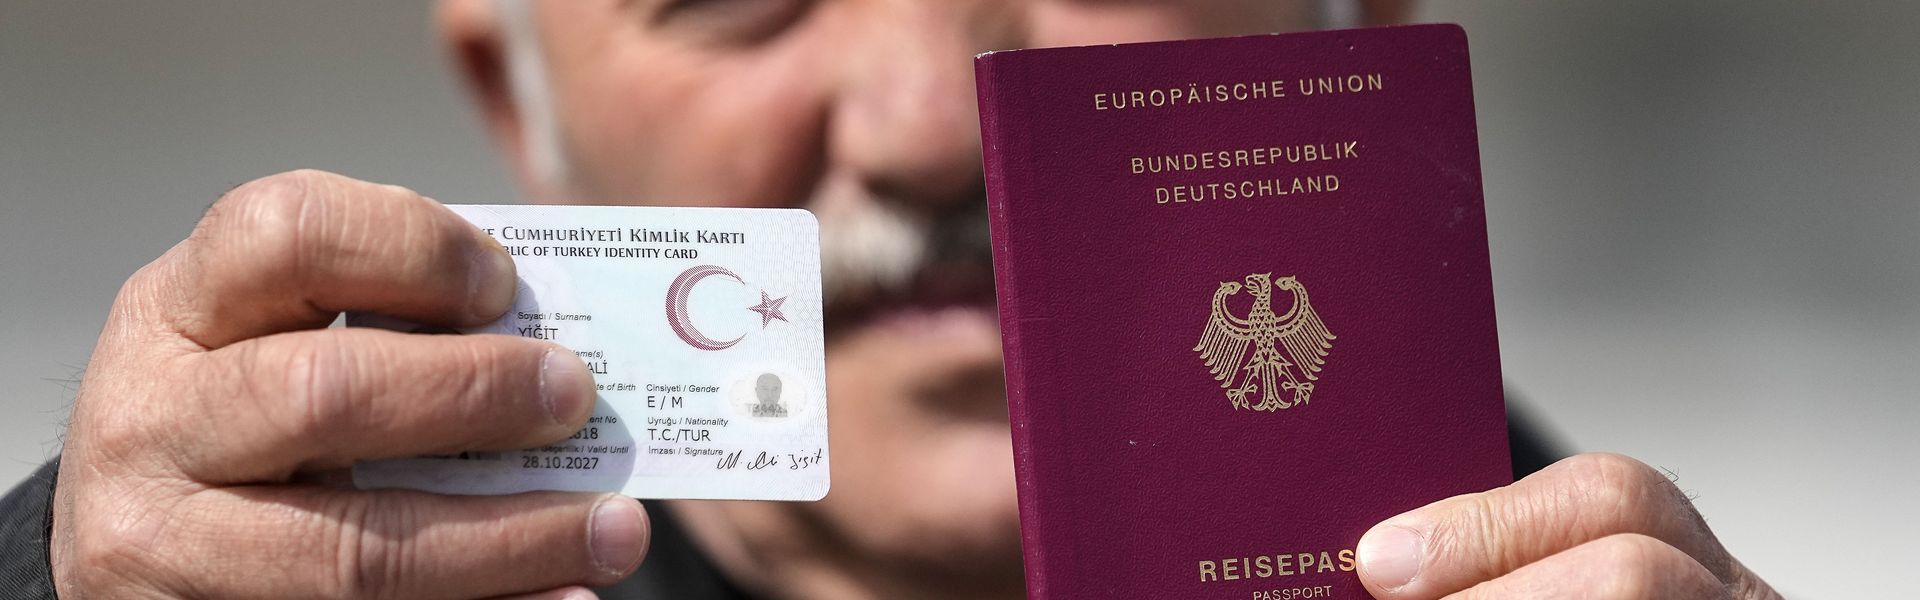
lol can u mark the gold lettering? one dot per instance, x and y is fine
(1239, 91)
(1267, 566)
(1343, 84)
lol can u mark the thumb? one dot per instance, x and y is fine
(1453, 544)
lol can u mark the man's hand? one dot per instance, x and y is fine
(215, 391)
(1591, 526)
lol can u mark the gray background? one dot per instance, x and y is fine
(1703, 221)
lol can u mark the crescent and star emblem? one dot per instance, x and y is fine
(682, 323)
(1267, 354)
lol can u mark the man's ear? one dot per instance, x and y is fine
(1385, 12)
(473, 36)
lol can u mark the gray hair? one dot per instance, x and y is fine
(1339, 14)
(532, 92)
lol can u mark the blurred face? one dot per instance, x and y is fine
(862, 111)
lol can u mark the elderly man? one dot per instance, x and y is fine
(217, 409)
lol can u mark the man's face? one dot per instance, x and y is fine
(862, 111)
(767, 389)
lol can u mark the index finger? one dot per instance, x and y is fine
(293, 250)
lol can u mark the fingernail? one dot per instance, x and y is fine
(617, 533)
(1390, 556)
(491, 282)
(565, 385)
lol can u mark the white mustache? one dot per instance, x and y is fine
(868, 250)
(883, 246)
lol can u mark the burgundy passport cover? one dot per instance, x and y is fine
(1246, 305)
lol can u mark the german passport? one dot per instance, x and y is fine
(1245, 299)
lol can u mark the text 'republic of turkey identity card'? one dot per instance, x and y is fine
(702, 327)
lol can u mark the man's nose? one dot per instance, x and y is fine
(905, 120)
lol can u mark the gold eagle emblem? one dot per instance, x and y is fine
(1287, 350)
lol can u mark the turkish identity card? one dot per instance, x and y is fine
(702, 327)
